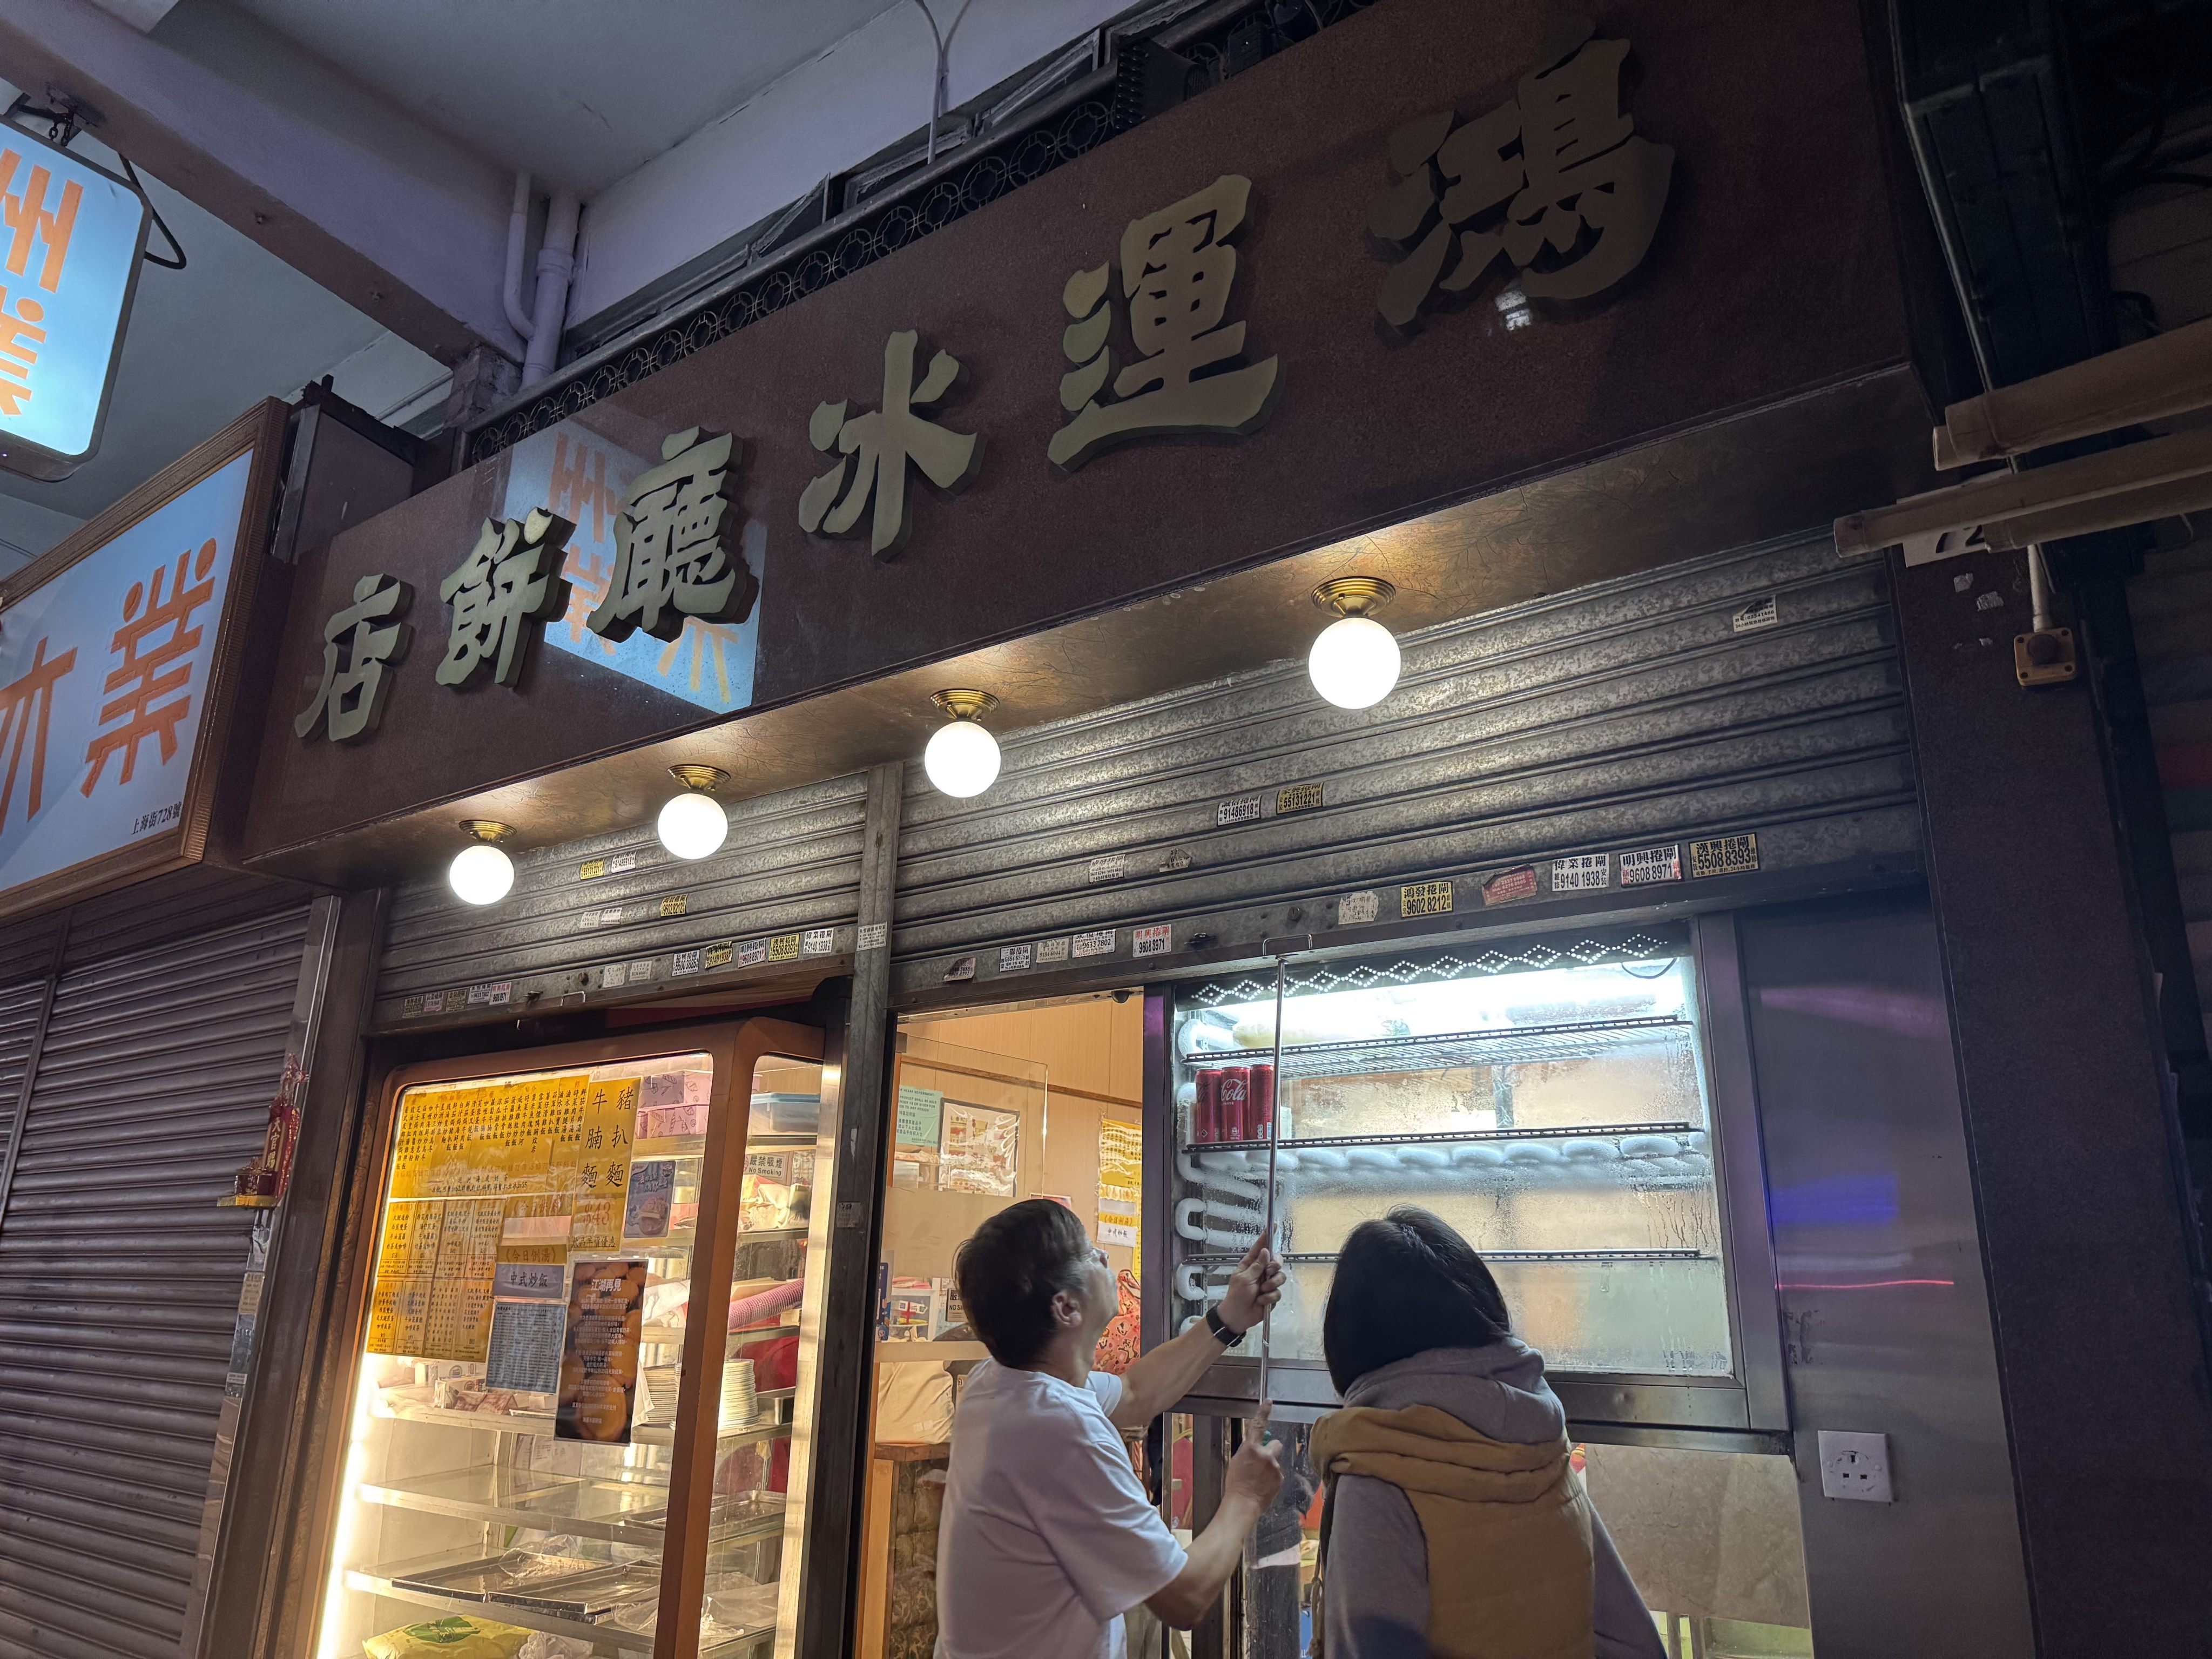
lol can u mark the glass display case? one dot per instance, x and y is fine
(1551, 1099)
(581, 1357)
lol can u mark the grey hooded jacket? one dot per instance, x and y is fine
(1377, 1571)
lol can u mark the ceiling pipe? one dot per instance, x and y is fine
(518, 227)
(556, 261)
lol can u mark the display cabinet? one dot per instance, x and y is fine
(582, 1357)
(1563, 1101)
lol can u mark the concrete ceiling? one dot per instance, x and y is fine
(578, 92)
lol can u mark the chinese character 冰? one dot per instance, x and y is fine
(882, 442)
(357, 653)
(506, 583)
(19, 339)
(1558, 168)
(26, 706)
(1176, 270)
(670, 562)
(146, 675)
(28, 216)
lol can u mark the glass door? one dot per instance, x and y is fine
(579, 1357)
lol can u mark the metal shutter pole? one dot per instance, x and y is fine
(7, 1154)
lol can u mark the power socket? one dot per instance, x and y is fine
(1855, 1466)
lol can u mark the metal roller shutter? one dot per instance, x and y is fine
(19, 1020)
(639, 919)
(1655, 708)
(120, 1281)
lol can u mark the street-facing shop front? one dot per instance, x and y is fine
(708, 1019)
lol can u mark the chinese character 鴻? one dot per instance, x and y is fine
(148, 674)
(670, 562)
(877, 446)
(28, 216)
(26, 706)
(1176, 270)
(357, 653)
(1558, 168)
(508, 582)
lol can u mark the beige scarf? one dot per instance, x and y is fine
(1507, 1526)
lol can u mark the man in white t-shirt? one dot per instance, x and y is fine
(1047, 1538)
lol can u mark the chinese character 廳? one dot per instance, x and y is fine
(670, 562)
(1176, 270)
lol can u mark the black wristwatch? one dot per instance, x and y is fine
(1219, 1327)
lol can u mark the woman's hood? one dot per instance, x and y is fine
(1498, 1389)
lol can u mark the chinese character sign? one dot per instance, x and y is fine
(1188, 375)
(1554, 183)
(681, 547)
(502, 594)
(104, 683)
(69, 240)
(878, 447)
(360, 645)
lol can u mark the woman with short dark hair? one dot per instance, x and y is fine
(1455, 1528)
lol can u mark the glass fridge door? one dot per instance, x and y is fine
(1548, 1098)
(523, 1451)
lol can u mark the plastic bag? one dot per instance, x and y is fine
(449, 1639)
(913, 1404)
(543, 1644)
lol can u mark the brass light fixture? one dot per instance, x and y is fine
(1354, 661)
(694, 824)
(962, 757)
(481, 872)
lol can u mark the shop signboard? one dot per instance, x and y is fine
(73, 233)
(119, 657)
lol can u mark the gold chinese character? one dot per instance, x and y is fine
(1176, 271)
(356, 652)
(884, 441)
(507, 584)
(670, 562)
(1562, 163)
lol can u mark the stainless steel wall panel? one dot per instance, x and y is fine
(792, 864)
(119, 1276)
(1660, 707)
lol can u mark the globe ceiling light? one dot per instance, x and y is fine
(694, 824)
(962, 758)
(481, 874)
(1354, 662)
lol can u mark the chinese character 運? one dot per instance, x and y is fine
(1558, 168)
(884, 441)
(670, 562)
(146, 675)
(1176, 270)
(356, 653)
(503, 594)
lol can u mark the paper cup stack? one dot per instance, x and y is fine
(739, 1406)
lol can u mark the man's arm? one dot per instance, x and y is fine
(1255, 1475)
(1156, 1380)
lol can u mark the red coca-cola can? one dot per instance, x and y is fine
(1206, 1110)
(1235, 1103)
(1259, 1120)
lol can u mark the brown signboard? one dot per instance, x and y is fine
(1437, 250)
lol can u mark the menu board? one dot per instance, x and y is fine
(487, 1176)
(599, 1356)
(1121, 1181)
(982, 1151)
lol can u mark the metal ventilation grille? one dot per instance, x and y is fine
(792, 865)
(1757, 691)
(120, 1281)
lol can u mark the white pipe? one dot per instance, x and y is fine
(518, 227)
(2039, 589)
(557, 259)
(1189, 1172)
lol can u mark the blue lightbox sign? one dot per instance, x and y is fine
(70, 237)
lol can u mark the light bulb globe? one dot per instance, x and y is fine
(480, 875)
(693, 825)
(962, 759)
(1354, 662)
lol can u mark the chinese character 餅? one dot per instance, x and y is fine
(1555, 180)
(877, 447)
(503, 594)
(1176, 271)
(361, 645)
(670, 562)
(152, 670)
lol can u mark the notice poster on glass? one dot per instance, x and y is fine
(920, 1116)
(599, 1357)
(981, 1150)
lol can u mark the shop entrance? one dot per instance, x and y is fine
(988, 1106)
